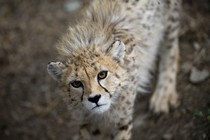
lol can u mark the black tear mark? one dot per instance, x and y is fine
(105, 89)
(82, 93)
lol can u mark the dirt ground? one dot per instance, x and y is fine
(31, 107)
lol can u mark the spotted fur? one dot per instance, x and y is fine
(106, 59)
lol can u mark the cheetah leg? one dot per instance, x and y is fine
(124, 123)
(124, 130)
(84, 134)
(165, 94)
(90, 132)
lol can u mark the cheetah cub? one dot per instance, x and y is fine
(106, 58)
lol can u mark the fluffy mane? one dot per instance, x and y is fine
(95, 28)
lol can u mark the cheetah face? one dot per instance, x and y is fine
(93, 89)
(92, 82)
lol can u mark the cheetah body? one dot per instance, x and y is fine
(107, 58)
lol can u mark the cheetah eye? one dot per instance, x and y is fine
(76, 84)
(102, 75)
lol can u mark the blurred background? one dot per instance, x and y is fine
(30, 104)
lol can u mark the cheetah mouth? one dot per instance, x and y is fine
(98, 106)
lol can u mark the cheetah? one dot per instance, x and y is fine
(106, 59)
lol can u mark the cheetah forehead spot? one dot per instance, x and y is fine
(84, 65)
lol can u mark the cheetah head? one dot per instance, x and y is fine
(91, 77)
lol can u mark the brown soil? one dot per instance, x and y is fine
(31, 107)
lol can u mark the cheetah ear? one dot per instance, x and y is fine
(55, 69)
(117, 50)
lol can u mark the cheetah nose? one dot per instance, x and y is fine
(94, 99)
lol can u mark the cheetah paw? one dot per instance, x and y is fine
(162, 101)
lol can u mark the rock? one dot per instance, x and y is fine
(204, 136)
(167, 136)
(198, 76)
(72, 5)
(196, 46)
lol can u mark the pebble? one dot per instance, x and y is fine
(72, 5)
(196, 46)
(167, 137)
(198, 76)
